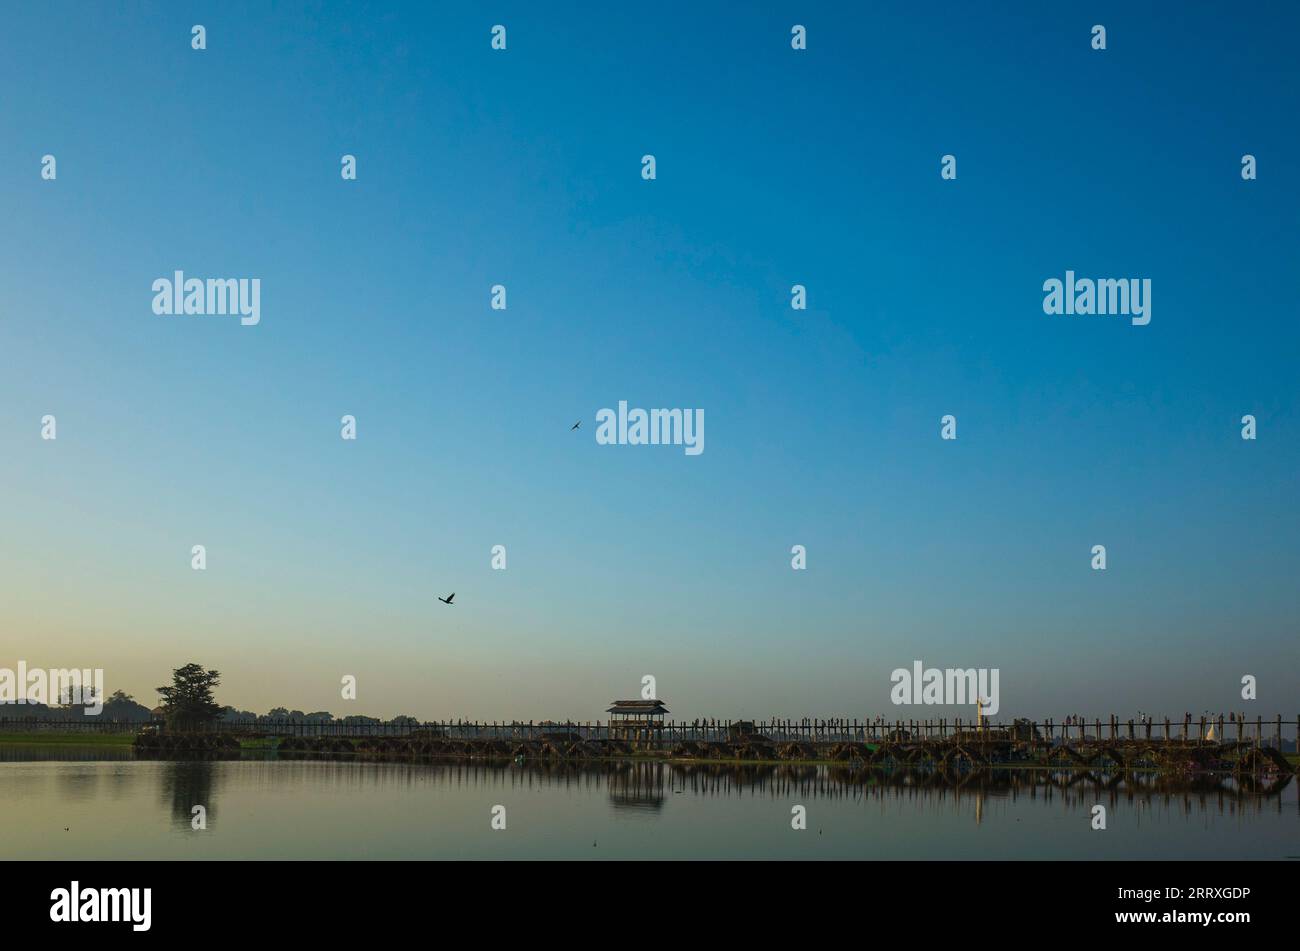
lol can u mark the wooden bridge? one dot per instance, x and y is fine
(1261, 731)
(1183, 747)
(973, 752)
(1219, 744)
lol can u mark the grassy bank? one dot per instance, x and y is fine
(42, 738)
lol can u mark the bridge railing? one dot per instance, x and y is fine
(1275, 731)
(77, 725)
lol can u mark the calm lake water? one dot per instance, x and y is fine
(106, 804)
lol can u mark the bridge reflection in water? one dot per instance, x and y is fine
(647, 786)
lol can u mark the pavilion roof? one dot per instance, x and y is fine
(638, 708)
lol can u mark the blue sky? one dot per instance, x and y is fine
(775, 167)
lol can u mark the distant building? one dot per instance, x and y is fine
(636, 721)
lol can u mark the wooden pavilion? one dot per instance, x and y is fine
(639, 722)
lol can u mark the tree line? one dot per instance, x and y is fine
(187, 703)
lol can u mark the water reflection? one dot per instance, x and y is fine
(186, 784)
(639, 787)
(645, 783)
(646, 787)
(101, 804)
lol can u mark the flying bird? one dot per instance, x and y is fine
(447, 600)
(575, 425)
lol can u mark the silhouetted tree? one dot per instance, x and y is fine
(122, 706)
(188, 703)
(76, 699)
